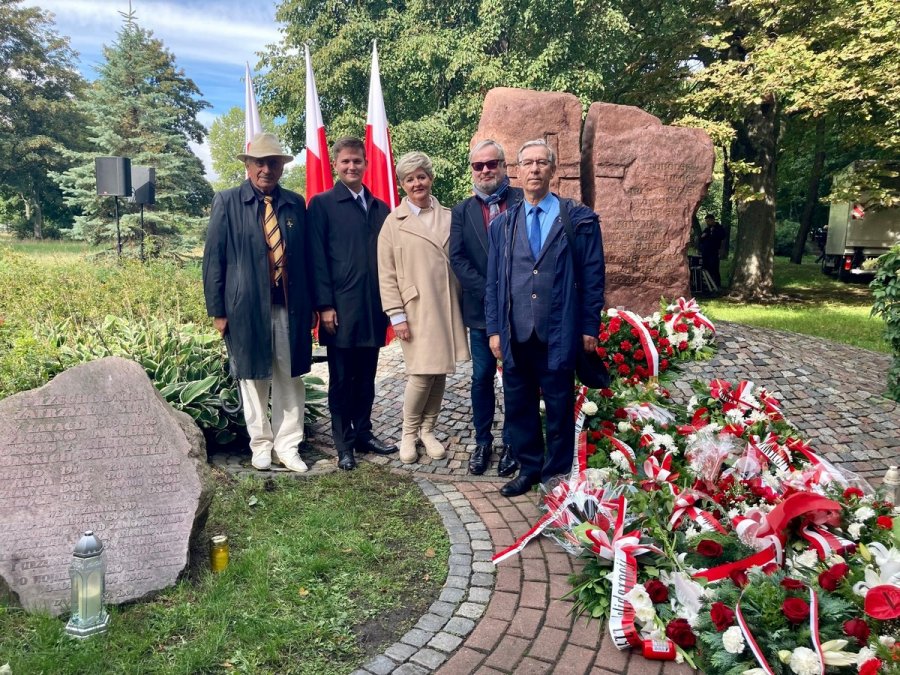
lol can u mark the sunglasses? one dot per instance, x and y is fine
(490, 164)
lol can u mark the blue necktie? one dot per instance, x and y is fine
(534, 232)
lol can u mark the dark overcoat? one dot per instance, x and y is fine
(578, 289)
(344, 245)
(469, 253)
(237, 284)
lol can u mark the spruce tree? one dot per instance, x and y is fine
(144, 107)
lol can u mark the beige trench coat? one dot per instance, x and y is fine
(415, 277)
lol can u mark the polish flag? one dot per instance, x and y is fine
(251, 112)
(380, 177)
(318, 165)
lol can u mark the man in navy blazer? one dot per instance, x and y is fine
(468, 257)
(344, 226)
(543, 299)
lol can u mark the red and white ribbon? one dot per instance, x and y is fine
(647, 344)
(685, 506)
(771, 450)
(689, 309)
(824, 542)
(660, 472)
(626, 450)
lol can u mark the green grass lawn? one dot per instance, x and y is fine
(811, 303)
(325, 572)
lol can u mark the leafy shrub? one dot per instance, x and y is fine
(886, 290)
(785, 235)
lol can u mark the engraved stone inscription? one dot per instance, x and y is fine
(97, 449)
(645, 180)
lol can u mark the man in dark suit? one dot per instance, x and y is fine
(543, 300)
(257, 283)
(468, 256)
(710, 245)
(345, 222)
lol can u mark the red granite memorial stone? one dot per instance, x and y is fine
(97, 449)
(645, 180)
(513, 116)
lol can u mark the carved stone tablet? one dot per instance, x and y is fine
(97, 449)
(513, 116)
(645, 180)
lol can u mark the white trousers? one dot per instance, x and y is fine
(285, 432)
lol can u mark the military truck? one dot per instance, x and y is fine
(858, 231)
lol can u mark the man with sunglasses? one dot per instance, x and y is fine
(468, 256)
(544, 295)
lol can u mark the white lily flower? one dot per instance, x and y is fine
(834, 653)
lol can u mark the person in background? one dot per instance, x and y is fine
(468, 255)
(420, 295)
(257, 283)
(543, 299)
(344, 225)
(711, 238)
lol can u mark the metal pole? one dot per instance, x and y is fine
(118, 231)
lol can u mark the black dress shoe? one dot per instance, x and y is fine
(480, 459)
(375, 446)
(508, 464)
(518, 486)
(346, 460)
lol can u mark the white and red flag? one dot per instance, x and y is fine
(318, 166)
(379, 176)
(857, 212)
(251, 112)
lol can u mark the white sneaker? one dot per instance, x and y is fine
(262, 460)
(293, 463)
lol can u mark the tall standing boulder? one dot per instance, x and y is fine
(646, 181)
(97, 449)
(513, 116)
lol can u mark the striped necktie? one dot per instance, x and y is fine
(273, 238)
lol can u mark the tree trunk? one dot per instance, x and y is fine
(752, 276)
(38, 222)
(812, 193)
(727, 193)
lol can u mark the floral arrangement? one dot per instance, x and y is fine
(714, 534)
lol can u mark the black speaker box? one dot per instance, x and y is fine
(113, 176)
(143, 184)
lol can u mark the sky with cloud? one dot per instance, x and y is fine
(211, 40)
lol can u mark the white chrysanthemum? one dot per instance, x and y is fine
(645, 614)
(697, 342)
(809, 558)
(648, 430)
(863, 514)
(691, 532)
(758, 416)
(864, 655)
(887, 641)
(735, 415)
(623, 427)
(618, 458)
(733, 640)
(804, 661)
(670, 328)
(589, 408)
(855, 530)
(733, 513)
(664, 441)
(638, 597)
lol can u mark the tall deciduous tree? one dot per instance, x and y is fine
(767, 59)
(144, 107)
(38, 113)
(439, 59)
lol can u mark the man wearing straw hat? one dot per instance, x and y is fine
(258, 288)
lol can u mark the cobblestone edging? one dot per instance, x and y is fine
(466, 593)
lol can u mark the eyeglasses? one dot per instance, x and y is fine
(540, 163)
(490, 164)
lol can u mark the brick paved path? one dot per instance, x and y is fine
(520, 623)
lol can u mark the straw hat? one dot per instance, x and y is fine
(264, 145)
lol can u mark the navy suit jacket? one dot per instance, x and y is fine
(578, 289)
(469, 253)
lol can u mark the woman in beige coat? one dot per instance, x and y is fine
(421, 295)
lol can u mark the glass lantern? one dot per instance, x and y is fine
(88, 575)
(891, 485)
